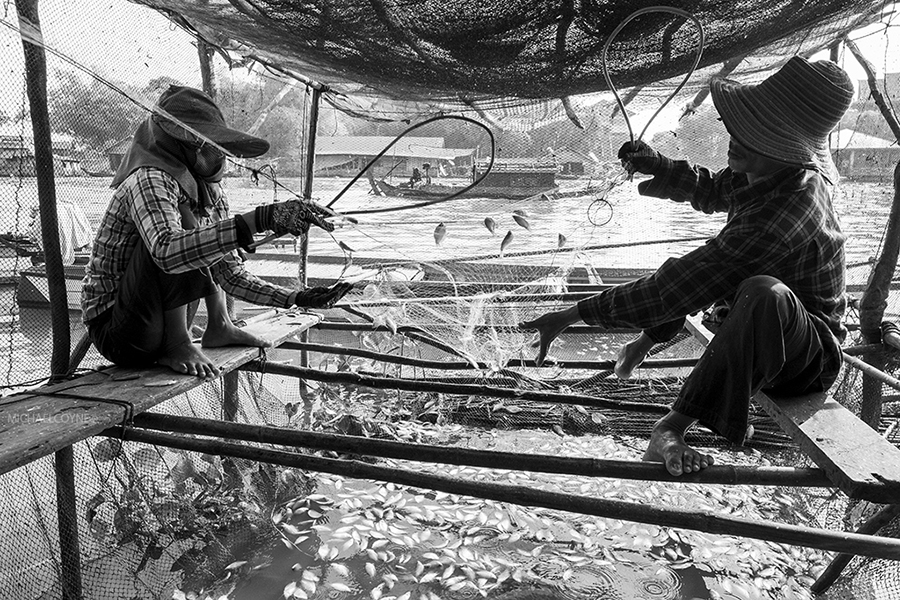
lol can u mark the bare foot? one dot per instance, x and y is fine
(632, 354)
(667, 446)
(187, 358)
(226, 334)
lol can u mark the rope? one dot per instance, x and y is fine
(430, 202)
(605, 68)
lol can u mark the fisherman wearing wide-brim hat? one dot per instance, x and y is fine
(778, 262)
(166, 240)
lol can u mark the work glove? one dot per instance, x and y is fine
(638, 156)
(322, 297)
(293, 216)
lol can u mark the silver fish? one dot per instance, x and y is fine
(561, 241)
(507, 239)
(522, 221)
(440, 232)
(489, 223)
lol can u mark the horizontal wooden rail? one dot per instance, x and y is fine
(415, 385)
(591, 467)
(834, 541)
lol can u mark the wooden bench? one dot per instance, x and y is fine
(859, 461)
(41, 421)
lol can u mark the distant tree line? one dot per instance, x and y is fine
(99, 116)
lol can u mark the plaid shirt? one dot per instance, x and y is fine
(144, 209)
(783, 226)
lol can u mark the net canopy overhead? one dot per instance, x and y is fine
(468, 50)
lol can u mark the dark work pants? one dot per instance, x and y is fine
(131, 333)
(767, 342)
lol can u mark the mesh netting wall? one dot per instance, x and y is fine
(446, 282)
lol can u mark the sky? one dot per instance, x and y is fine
(129, 42)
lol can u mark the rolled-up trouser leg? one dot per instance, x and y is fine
(132, 332)
(768, 341)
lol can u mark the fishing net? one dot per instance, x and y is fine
(441, 289)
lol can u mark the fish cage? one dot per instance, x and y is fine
(405, 444)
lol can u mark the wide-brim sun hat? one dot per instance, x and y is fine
(788, 116)
(182, 109)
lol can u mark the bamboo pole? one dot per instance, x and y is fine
(207, 72)
(874, 300)
(64, 461)
(840, 562)
(876, 374)
(465, 365)
(588, 467)
(414, 385)
(230, 400)
(368, 326)
(613, 509)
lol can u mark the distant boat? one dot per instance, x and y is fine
(509, 179)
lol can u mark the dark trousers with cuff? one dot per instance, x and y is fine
(767, 342)
(132, 332)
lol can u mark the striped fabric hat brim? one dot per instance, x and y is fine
(787, 117)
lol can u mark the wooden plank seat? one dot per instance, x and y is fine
(855, 457)
(41, 421)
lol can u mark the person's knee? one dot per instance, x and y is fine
(761, 288)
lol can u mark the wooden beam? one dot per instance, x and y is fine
(690, 518)
(859, 461)
(492, 459)
(39, 422)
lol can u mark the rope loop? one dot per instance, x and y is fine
(612, 36)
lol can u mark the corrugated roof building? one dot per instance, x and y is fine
(348, 155)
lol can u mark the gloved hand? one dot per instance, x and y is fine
(322, 297)
(638, 156)
(293, 216)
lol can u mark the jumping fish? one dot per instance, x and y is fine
(561, 241)
(489, 223)
(522, 221)
(439, 233)
(520, 212)
(345, 247)
(506, 241)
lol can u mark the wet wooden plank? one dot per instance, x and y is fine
(39, 422)
(859, 461)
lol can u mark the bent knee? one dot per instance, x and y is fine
(762, 286)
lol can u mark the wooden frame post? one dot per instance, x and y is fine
(36, 84)
(874, 300)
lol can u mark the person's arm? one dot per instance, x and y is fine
(230, 274)
(706, 191)
(685, 285)
(153, 206)
(678, 180)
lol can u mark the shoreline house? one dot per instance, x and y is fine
(345, 156)
(570, 163)
(863, 157)
(17, 153)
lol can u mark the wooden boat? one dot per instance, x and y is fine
(507, 179)
(459, 279)
(279, 268)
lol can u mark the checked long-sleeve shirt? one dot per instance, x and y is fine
(783, 226)
(145, 209)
